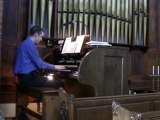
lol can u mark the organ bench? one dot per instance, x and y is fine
(51, 103)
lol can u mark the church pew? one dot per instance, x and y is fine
(121, 113)
(47, 96)
(152, 115)
(57, 104)
(100, 108)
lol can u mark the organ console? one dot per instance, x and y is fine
(70, 56)
(94, 71)
(72, 52)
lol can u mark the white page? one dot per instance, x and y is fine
(79, 41)
(66, 45)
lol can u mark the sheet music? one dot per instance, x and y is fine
(69, 46)
(74, 46)
(79, 42)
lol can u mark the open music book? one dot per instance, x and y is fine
(75, 46)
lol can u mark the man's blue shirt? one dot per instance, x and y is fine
(28, 59)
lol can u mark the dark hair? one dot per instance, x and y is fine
(35, 29)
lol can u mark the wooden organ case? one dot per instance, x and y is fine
(102, 71)
(105, 68)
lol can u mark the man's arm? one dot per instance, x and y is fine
(37, 60)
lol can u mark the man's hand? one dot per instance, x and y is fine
(59, 67)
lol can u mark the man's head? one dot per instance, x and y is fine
(36, 33)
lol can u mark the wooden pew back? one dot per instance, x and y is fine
(100, 108)
(121, 113)
(152, 115)
(60, 105)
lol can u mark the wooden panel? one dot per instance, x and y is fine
(100, 107)
(137, 57)
(157, 105)
(152, 26)
(9, 32)
(101, 66)
(1, 11)
(113, 65)
(22, 20)
(105, 113)
(14, 29)
(139, 107)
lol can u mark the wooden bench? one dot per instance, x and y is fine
(59, 105)
(121, 113)
(50, 103)
(100, 108)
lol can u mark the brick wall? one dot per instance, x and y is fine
(1, 12)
